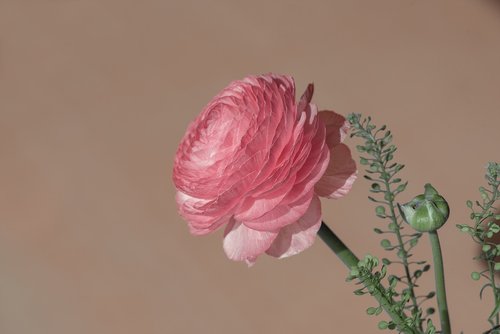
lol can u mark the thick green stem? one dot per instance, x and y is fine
(351, 260)
(440, 287)
(337, 246)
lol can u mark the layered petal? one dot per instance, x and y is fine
(242, 243)
(296, 237)
(254, 207)
(336, 127)
(282, 215)
(340, 174)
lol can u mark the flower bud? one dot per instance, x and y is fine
(426, 212)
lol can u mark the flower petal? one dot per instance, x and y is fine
(282, 215)
(244, 244)
(255, 207)
(336, 127)
(306, 97)
(340, 174)
(296, 237)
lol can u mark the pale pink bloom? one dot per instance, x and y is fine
(256, 162)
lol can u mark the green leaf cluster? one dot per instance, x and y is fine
(370, 273)
(483, 230)
(377, 155)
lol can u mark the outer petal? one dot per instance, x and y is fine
(295, 238)
(340, 174)
(306, 97)
(244, 244)
(282, 215)
(336, 127)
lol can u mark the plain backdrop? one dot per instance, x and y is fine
(95, 96)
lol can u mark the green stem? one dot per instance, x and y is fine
(494, 287)
(491, 270)
(404, 252)
(440, 287)
(404, 255)
(337, 246)
(351, 260)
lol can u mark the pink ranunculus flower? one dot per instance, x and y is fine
(256, 162)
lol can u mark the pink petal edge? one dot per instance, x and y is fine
(295, 238)
(340, 174)
(242, 243)
(336, 127)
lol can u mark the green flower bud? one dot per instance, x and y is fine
(426, 212)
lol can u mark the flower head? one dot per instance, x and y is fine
(256, 161)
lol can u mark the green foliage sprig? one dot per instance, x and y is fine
(485, 226)
(367, 274)
(378, 154)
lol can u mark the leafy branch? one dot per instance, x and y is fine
(485, 217)
(367, 274)
(378, 154)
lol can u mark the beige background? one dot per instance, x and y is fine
(95, 96)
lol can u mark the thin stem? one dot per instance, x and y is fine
(491, 271)
(491, 331)
(404, 253)
(440, 286)
(393, 217)
(351, 260)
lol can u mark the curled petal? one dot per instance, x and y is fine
(296, 237)
(245, 244)
(336, 127)
(340, 174)
(306, 97)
